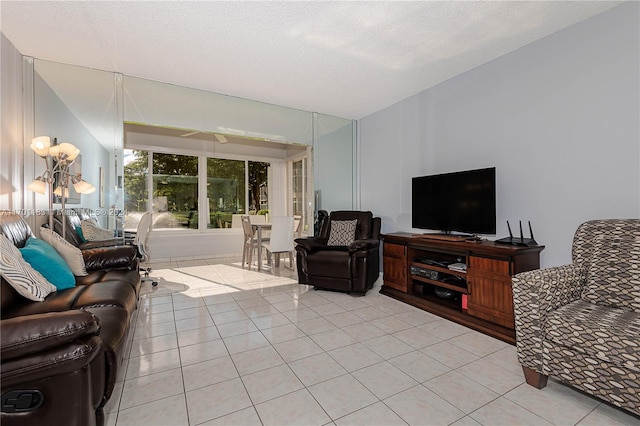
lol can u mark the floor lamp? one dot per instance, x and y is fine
(58, 159)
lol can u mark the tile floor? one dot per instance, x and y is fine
(216, 344)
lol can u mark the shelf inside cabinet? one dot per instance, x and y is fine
(453, 287)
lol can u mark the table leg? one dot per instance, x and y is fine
(259, 248)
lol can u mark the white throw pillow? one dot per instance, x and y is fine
(342, 232)
(20, 274)
(70, 253)
(93, 232)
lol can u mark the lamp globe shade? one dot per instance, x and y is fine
(40, 145)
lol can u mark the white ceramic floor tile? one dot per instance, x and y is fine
(419, 366)
(216, 400)
(271, 383)
(375, 414)
(295, 349)
(418, 405)
(342, 395)
(245, 417)
(201, 352)
(152, 387)
(461, 391)
(152, 363)
(478, 343)
(256, 359)
(245, 342)
(384, 379)
(355, 357)
(207, 373)
(199, 335)
(333, 339)
(450, 355)
(316, 369)
(238, 327)
(501, 411)
(281, 343)
(417, 338)
(170, 411)
(296, 408)
(555, 403)
(153, 344)
(390, 324)
(492, 376)
(388, 346)
(282, 333)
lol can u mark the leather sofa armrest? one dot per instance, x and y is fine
(30, 334)
(102, 243)
(114, 257)
(358, 245)
(311, 244)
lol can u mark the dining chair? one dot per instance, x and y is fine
(250, 241)
(281, 240)
(297, 226)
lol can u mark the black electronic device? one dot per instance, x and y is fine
(461, 202)
(518, 241)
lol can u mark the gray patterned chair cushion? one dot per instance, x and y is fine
(613, 277)
(608, 334)
(343, 232)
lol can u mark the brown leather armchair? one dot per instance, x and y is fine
(352, 268)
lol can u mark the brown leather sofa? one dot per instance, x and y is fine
(60, 357)
(73, 219)
(352, 268)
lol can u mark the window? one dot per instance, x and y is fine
(136, 170)
(225, 191)
(175, 191)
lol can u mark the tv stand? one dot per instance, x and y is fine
(448, 237)
(426, 272)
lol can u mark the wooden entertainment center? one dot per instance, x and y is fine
(429, 272)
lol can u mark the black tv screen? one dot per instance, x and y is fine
(461, 201)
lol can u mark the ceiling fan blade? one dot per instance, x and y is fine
(220, 138)
(186, 135)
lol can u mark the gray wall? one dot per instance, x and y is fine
(53, 118)
(11, 168)
(559, 119)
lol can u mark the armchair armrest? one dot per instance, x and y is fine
(535, 294)
(311, 244)
(30, 334)
(358, 245)
(114, 257)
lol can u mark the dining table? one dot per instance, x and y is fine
(258, 228)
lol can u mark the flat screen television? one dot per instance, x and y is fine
(455, 202)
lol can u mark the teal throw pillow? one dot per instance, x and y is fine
(46, 260)
(80, 234)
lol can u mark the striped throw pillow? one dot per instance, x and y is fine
(20, 275)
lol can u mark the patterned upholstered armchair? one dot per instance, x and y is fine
(580, 323)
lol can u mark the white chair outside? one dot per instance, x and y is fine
(140, 241)
(281, 240)
(250, 241)
(297, 226)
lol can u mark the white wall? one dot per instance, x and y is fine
(559, 119)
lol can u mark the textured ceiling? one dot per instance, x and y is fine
(347, 59)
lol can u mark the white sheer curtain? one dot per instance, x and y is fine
(277, 178)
